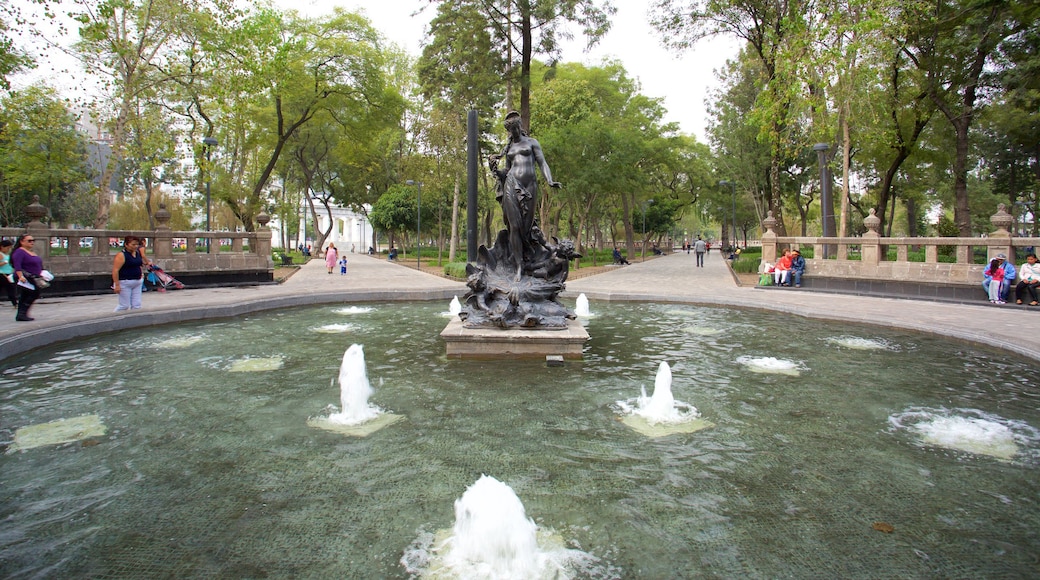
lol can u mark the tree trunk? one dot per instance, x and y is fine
(454, 243)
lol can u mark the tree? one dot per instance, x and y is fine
(952, 43)
(41, 153)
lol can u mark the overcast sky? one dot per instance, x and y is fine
(683, 80)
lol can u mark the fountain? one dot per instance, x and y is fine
(454, 307)
(581, 306)
(493, 538)
(356, 416)
(220, 476)
(660, 414)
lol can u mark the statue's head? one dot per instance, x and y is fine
(512, 120)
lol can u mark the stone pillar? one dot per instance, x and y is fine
(769, 239)
(1002, 221)
(870, 248)
(263, 238)
(163, 236)
(38, 229)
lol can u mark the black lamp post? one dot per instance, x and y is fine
(418, 221)
(827, 205)
(209, 143)
(733, 200)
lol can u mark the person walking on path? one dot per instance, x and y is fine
(331, 257)
(26, 264)
(700, 248)
(128, 274)
(7, 273)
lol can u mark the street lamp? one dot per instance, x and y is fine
(645, 237)
(418, 221)
(827, 209)
(361, 234)
(733, 199)
(209, 143)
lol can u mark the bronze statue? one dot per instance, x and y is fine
(515, 283)
(518, 186)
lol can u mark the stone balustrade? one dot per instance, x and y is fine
(866, 258)
(86, 266)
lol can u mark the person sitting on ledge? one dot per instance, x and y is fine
(797, 267)
(618, 258)
(1009, 276)
(782, 270)
(1029, 280)
(392, 255)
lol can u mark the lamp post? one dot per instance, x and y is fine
(827, 206)
(733, 200)
(209, 143)
(361, 234)
(418, 220)
(645, 237)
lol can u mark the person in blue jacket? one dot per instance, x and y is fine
(1009, 277)
(797, 267)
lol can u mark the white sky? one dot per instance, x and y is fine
(683, 80)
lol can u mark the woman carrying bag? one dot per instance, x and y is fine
(27, 267)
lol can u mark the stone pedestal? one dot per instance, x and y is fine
(496, 343)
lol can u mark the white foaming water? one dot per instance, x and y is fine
(354, 310)
(354, 390)
(661, 408)
(968, 430)
(857, 343)
(768, 364)
(334, 328)
(493, 538)
(454, 307)
(581, 306)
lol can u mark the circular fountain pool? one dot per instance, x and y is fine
(207, 466)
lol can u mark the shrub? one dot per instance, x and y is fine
(455, 270)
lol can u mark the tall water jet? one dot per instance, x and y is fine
(660, 414)
(493, 538)
(581, 306)
(356, 416)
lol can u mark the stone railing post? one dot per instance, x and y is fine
(38, 229)
(870, 248)
(1002, 221)
(769, 238)
(163, 235)
(263, 237)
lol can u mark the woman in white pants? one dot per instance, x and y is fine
(128, 273)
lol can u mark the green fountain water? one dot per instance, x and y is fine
(202, 462)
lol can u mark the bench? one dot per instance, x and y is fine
(286, 260)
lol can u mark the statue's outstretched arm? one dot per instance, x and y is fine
(540, 158)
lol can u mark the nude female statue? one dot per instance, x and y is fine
(518, 186)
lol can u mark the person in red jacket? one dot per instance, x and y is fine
(782, 270)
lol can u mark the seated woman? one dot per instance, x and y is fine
(1029, 280)
(782, 269)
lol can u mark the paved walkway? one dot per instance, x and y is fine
(671, 278)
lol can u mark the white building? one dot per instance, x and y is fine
(351, 231)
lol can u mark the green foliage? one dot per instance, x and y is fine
(455, 270)
(41, 153)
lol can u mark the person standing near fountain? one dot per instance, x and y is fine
(7, 272)
(518, 186)
(128, 274)
(26, 264)
(699, 248)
